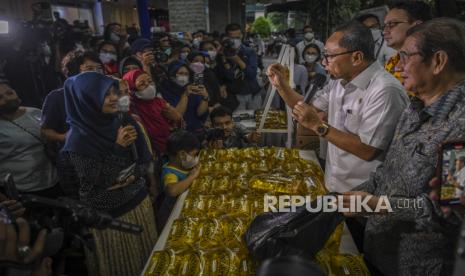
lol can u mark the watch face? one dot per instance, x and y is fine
(322, 130)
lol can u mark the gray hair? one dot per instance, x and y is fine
(444, 34)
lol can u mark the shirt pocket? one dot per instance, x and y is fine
(352, 122)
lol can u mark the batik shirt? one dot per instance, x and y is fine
(415, 239)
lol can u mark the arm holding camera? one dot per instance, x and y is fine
(237, 60)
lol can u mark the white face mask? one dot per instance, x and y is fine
(376, 33)
(46, 50)
(78, 47)
(212, 54)
(196, 42)
(107, 57)
(182, 80)
(309, 36)
(190, 162)
(148, 93)
(114, 37)
(123, 104)
(311, 58)
(183, 55)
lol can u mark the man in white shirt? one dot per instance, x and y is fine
(382, 52)
(309, 38)
(362, 103)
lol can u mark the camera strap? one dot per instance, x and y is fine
(25, 130)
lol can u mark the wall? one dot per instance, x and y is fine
(187, 15)
(223, 12)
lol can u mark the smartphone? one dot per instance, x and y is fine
(451, 172)
(198, 79)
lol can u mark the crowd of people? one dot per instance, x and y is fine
(123, 130)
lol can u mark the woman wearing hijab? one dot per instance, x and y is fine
(111, 175)
(189, 99)
(157, 116)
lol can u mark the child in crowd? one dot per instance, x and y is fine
(179, 172)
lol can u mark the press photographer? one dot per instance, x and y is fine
(238, 69)
(227, 134)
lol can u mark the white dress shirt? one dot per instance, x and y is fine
(369, 106)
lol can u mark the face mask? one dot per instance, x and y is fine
(212, 54)
(376, 33)
(190, 162)
(10, 107)
(148, 93)
(182, 80)
(78, 47)
(183, 55)
(197, 67)
(196, 42)
(237, 43)
(46, 50)
(107, 57)
(114, 37)
(311, 58)
(168, 51)
(309, 36)
(123, 104)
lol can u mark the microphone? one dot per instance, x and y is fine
(124, 117)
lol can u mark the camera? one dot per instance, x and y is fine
(228, 47)
(160, 56)
(64, 218)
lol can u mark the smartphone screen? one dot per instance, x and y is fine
(452, 173)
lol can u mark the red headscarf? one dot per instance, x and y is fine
(150, 113)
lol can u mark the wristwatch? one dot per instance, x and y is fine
(206, 98)
(322, 129)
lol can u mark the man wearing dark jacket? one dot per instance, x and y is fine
(238, 67)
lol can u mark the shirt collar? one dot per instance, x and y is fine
(441, 108)
(363, 79)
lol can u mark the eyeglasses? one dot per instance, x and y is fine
(392, 24)
(405, 56)
(328, 57)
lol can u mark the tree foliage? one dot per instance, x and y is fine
(261, 26)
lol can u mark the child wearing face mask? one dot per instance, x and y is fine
(180, 171)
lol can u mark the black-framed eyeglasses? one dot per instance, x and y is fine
(328, 57)
(405, 56)
(392, 24)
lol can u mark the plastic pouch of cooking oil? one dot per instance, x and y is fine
(183, 232)
(185, 262)
(160, 264)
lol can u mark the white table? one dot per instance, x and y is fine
(347, 243)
